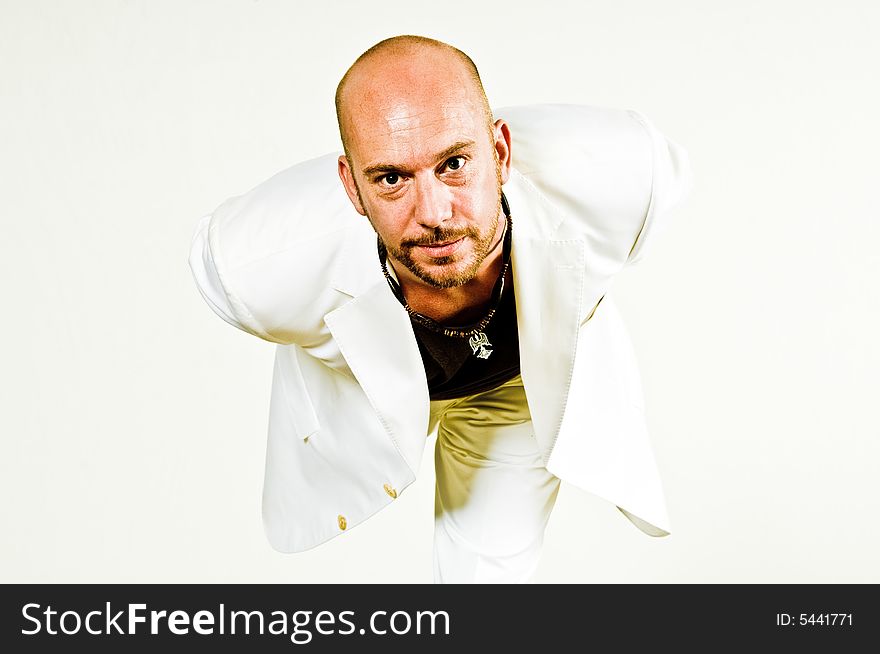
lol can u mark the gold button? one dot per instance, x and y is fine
(342, 522)
(390, 491)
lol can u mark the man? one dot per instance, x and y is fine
(472, 302)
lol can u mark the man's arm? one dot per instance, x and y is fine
(263, 261)
(204, 270)
(671, 182)
(609, 171)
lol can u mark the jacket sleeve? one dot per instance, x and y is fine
(613, 175)
(211, 288)
(671, 183)
(264, 261)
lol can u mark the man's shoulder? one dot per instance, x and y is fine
(303, 202)
(556, 135)
(593, 165)
(610, 173)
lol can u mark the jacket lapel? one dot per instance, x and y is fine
(374, 334)
(548, 278)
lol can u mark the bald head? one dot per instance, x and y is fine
(407, 68)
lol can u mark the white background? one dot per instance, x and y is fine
(133, 420)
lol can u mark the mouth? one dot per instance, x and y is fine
(437, 250)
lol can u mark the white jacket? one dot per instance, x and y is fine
(292, 262)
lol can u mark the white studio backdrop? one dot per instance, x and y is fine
(133, 420)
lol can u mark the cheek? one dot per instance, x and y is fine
(464, 201)
(476, 201)
(390, 222)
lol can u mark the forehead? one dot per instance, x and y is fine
(409, 119)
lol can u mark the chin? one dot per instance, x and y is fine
(449, 276)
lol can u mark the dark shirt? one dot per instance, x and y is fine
(452, 368)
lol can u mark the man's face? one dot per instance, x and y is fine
(425, 169)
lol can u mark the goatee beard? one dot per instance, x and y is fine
(482, 246)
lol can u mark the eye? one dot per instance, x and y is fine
(455, 163)
(391, 179)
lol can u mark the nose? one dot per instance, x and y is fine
(433, 202)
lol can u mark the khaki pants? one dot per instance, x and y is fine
(493, 494)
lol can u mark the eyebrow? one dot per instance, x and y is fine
(392, 168)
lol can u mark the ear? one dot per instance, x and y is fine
(347, 176)
(502, 148)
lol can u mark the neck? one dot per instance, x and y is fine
(459, 304)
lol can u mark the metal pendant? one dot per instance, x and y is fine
(480, 344)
